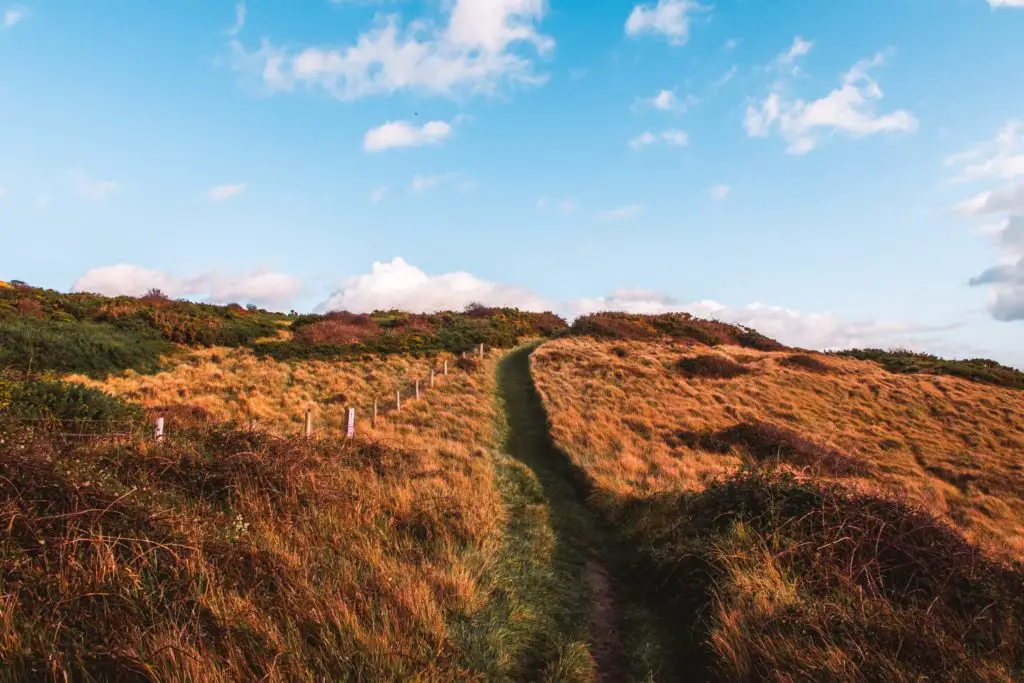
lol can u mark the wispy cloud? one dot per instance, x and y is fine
(666, 100)
(239, 24)
(621, 213)
(378, 194)
(672, 137)
(13, 15)
(221, 193)
(720, 192)
(91, 189)
(669, 19)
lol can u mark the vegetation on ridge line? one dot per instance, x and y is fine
(974, 369)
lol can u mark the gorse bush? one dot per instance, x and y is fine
(63, 402)
(96, 349)
(976, 369)
(613, 325)
(711, 366)
(386, 332)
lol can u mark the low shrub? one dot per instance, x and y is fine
(616, 325)
(65, 403)
(94, 349)
(805, 361)
(711, 366)
(976, 369)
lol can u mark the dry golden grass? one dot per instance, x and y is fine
(230, 558)
(634, 421)
(234, 385)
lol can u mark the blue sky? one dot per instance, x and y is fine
(835, 173)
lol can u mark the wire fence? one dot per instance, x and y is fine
(356, 417)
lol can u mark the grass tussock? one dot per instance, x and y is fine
(791, 580)
(909, 362)
(637, 426)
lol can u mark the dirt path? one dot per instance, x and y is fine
(575, 527)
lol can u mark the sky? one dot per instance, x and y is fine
(834, 173)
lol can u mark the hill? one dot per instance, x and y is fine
(624, 498)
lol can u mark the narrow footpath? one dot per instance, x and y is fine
(577, 532)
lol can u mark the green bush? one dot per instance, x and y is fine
(975, 369)
(63, 402)
(31, 345)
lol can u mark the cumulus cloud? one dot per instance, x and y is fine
(91, 189)
(221, 193)
(621, 213)
(397, 284)
(262, 286)
(395, 134)
(667, 100)
(481, 47)
(668, 18)
(720, 192)
(1008, 199)
(672, 137)
(995, 4)
(849, 109)
(1005, 280)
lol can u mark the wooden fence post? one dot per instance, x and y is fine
(417, 390)
(481, 350)
(350, 430)
(446, 366)
(398, 400)
(308, 431)
(158, 429)
(431, 377)
(373, 420)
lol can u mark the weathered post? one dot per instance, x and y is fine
(373, 420)
(446, 366)
(158, 429)
(431, 377)
(417, 390)
(350, 430)
(308, 430)
(398, 400)
(481, 350)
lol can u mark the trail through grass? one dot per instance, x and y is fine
(588, 605)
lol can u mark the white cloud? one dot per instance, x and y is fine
(378, 194)
(720, 192)
(798, 49)
(479, 50)
(726, 77)
(1002, 158)
(667, 100)
(668, 18)
(13, 15)
(421, 183)
(848, 109)
(239, 20)
(91, 189)
(263, 286)
(224, 192)
(621, 213)
(42, 200)
(672, 137)
(807, 330)
(995, 4)
(1009, 199)
(395, 134)
(1006, 279)
(730, 45)
(397, 284)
